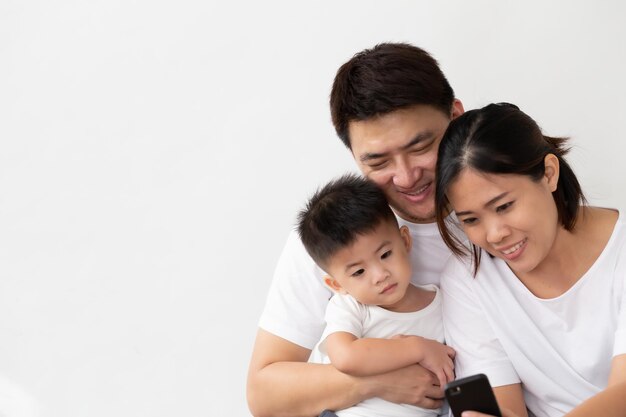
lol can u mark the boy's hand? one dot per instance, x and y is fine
(436, 357)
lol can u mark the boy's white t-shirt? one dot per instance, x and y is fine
(297, 299)
(560, 349)
(345, 314)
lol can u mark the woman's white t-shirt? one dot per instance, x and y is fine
(560, 349)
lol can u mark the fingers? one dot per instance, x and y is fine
(505, 413)
(434, 392)
(443, 378)
(449, 373)
(451, 352)
(430, 403)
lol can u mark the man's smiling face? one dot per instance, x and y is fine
(398, 151)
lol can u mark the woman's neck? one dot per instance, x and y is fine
(572, 253)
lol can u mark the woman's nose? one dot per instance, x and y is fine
(496, 232)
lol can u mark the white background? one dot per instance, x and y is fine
(153, 154)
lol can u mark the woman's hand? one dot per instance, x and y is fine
(505, 413)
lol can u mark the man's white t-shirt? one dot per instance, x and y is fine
(345, 314)
(560, 349)
(297, 299)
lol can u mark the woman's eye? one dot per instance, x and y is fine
(358, 273)
(469, 221)
(385, 255)
(504, 206)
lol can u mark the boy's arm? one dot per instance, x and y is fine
(372, 356)
(282, 383)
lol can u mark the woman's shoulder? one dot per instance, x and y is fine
(602, 234)
(601, 225)
(458, 270)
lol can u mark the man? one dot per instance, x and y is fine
(390, 106)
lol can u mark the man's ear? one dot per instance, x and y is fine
(551, 174)
(406, 238)
(333, 284)
(457, 108)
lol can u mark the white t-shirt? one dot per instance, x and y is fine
(560, 349)
(345, 314)
(297, 299)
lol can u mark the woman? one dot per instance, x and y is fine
(535, 302)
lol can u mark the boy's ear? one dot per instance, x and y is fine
(333, 284)
(406, 237)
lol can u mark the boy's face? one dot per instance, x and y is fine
(398, 151)
(376, 268)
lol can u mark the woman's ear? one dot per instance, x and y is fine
(551, 173)
(406, 237)
(333, 284)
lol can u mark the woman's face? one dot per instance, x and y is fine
(510, 216)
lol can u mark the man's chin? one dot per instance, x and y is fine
(427, 217)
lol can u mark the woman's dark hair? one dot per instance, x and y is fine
(387, 77)
(338, 213)
(501, 139)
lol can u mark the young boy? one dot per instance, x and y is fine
(377, 321)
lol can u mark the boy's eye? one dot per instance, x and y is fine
(358, 273)
(385, 255)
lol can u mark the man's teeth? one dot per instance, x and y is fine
(421, 190)
(514, 248)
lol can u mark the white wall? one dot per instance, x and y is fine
(153, 155)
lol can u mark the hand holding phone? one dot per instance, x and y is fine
(472, 393)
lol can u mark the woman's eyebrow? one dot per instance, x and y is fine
(487, 204)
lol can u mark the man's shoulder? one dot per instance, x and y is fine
(294, 254)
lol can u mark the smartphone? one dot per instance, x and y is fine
(472, 393)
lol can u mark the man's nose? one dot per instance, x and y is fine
(405, 175)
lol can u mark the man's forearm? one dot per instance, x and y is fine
(301, 389)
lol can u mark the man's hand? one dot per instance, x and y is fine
(411, 385)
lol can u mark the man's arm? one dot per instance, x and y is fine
(282, 383)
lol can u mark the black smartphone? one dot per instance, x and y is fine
(472, 393)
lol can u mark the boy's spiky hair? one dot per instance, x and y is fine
(340, 211)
